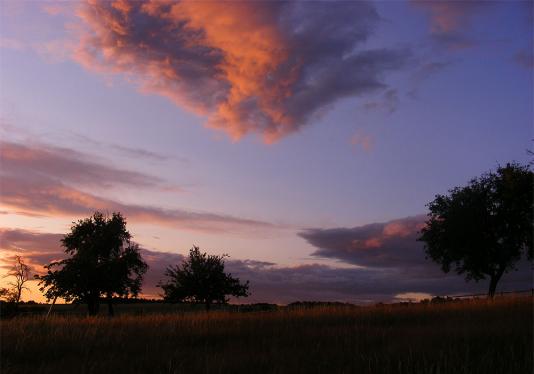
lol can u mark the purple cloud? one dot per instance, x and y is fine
(50, 181)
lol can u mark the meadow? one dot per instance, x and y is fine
(473, 336)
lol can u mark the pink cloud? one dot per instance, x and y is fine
(400, 228)
(450, 20)
(69, 166)
(250, 67)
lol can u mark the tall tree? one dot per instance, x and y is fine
(103, 262)
(483, 229)
(201, 279)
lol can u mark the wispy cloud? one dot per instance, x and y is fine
(47, 180)
(126, 150)
(388, 103)
(68, 166)
(424, 72)
(251, 67)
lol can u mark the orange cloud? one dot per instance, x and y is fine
(449, 20)
(263, 67)
(400, 228)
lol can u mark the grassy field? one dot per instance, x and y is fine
(469, 337)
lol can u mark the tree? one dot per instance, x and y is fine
(482, 230)
(201, 279)
(21, 272)
(104, 262)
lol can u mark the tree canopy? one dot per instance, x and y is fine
(201, 279)
(103, 262)
(483, 229)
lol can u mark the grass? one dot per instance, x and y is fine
(476, 336)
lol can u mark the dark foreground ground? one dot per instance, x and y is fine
(468, 337)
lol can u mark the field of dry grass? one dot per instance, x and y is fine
(469, 337)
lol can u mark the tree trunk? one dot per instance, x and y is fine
(492, 286)
(91, 307)
(494, 279)
(93, 304)
(110, 305)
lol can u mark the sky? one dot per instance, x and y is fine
(303, 139)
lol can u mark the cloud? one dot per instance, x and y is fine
(37, 248)
(386, 245)
(40, 195)
(250, 67)
(450, 21)
(125, 150)
(68, 166)
(390, 253)
(47, 180)
(285, 284)
(423, 73)
(388, 103)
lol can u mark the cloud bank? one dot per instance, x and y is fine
(250, 67)
(393, 259)
(388, 244)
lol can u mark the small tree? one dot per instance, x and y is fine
(483, 229)
(104, 262)
(201, 279)
(21, 272)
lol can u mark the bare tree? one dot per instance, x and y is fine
(21, 272)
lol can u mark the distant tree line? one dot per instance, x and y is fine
(481, 230)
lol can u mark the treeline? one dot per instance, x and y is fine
(104, 265)
(480, 231)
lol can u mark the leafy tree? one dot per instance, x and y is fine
(104, 262)
(482, 230)
(201, 279)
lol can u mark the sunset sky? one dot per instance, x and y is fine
(302, 138)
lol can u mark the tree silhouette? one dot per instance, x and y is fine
(485, 228)
(201, 279)
(21, 272)
(104, 262)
